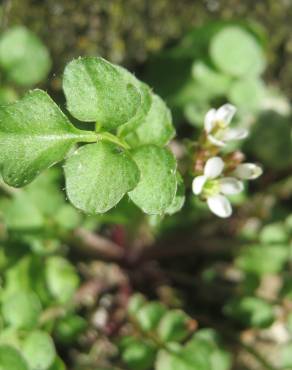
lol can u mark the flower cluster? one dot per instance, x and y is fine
(214, 184)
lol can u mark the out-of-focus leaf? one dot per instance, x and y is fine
(275, 233)
(251, 311)
(23, 56)
(11, 359)
(247, 94)
(138, 355)
(21, 310)
(149, 315)
(174, 326)
(236, 51)
(263, 259)
(39, 350)
(62, 278)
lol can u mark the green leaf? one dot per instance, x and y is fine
(247, 94)
(98, 176)
(45, 192)
(58, 365)
(138, 355)
(209, 79)
(136, 302)
(7, 95)
(97, 91)
(69, 327)
(263, 259)
(270, 141)
(67, 217)
(236, 51)
(11, 359)
(34, 135)
(157, 186)
(286, 356)
(156, 128)
(179, 199)
(16, 212)
(251, 311)
(21, 309)
(275, 233)
(39, 350)
(23, 56)
(62, 279)
(149, 315)
(195, 357)
(145, 103)
(173, 327)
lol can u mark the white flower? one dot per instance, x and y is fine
(216, 126)
(247, 171)
(214, 188)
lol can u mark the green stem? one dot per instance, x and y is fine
(106, 136)
(93, 137)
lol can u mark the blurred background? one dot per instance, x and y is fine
(65, 283)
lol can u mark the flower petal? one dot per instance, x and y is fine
(213, 167)
(230, 185)
(198, 184)
(247, 171)
(235, 134)
(225, 113)
(220, 205)
(210, 120)
(215, 141)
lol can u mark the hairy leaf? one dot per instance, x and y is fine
(98, 176)
(97, 91)
(157, 187)
(34, 134)
(156, 128)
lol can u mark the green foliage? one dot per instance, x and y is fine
(237, 52)
(21, 310)
(23, 57)
(11, 359)
(36, 134)
(39, 350)
(97, 91)
(221, 61)
(162, 341)
(263, 259)
(157, 186)
(173, 326)
(137, 354)
(98, 176)
(61, 277)
(156, 128)
(251, 311)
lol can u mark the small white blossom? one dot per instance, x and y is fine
(216, 126)
(214, 188)
(247, 171)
